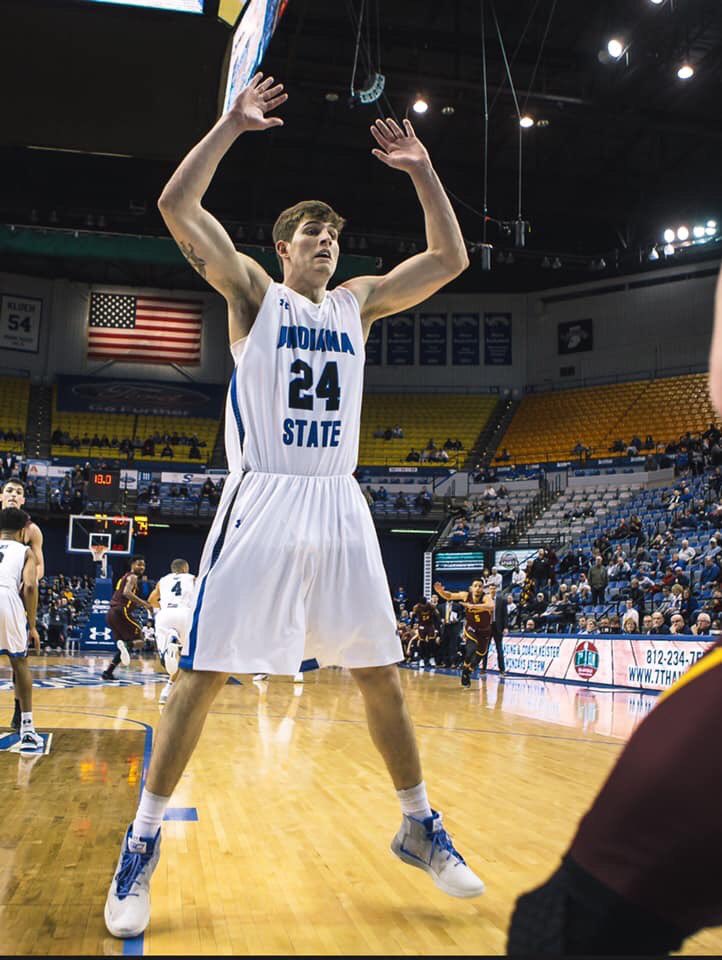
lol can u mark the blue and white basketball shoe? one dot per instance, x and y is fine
(127, 907)
(426, 845)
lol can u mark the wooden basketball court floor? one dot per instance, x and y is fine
(279, 831)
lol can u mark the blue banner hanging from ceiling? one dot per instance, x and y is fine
(465, 339)
(497, 339)
(400, 340)
(432, 339)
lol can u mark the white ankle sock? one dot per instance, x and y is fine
(149, 815)
(414, 802)
(26, 720)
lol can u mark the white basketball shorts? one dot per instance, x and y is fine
(172, 620)
(13, 625)
(291, 570)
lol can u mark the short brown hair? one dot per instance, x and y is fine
(287, 222)
(17, 483)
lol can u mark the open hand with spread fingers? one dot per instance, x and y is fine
(255, 101)
(400, 149)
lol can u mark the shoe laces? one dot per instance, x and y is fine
(131, 867)
(441, 841)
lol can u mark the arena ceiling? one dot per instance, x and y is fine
(623, 149)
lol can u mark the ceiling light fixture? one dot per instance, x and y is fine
(420, 105)
(526, 121)
(686, 71)
(615, 48)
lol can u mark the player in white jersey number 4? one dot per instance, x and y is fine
(18, 610)
(172, 597)
(293, 531)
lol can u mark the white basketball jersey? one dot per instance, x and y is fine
(176, 590)
(12, 561)
(294, 403)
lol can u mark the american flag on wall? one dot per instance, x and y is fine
(140, 329)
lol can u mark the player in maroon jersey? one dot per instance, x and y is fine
(428, 620)
(126, 631)
(479, 609)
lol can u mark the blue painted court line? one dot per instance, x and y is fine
(133, 947)
(181, 813)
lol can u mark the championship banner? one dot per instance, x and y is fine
(20, 323)
(465, 339)
(373, 344)
(400, 340)
(497, 339)
(432, 339)
(600, 660)
(575, 336)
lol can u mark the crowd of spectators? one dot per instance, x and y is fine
(63, 604)
(153, 494)
(634, 580)
(433, 454)
(487, 512)
(13, 436)
(422, 501)
(389, 433)
(127, 447)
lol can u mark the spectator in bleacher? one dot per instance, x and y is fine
(687, 553)
(598, 580)
(630, 625)
(537, 607)
(460, 532)
(194, 453)
(167, 452)
(530, 626)
(518, 576)
(702, 625)
(397, 432)
(540, 568)
(630, 612)
(710, 571)
(504, 456)
(660, 628)
(400, 502)
(590, 626)
(494, 579)
(413, 456)
(208, 490)
(647, 624)
(424, 501)
(382, 494)
(689, 605)
(636, 594)
(619, 569)
(512, 611)
(678, 626)
(148, 448)
(368, 495)
(615, 625)
(649, 442)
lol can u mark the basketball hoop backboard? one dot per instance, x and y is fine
(115, 533)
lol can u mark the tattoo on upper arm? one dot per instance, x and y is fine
(198, 264)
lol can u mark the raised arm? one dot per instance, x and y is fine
(447, 595)
(445, 256)
(715, 358)
(202, 239)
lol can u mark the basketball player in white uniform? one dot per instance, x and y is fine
(13, 495)
(293, 532)
(18, 609)
(172, 597)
